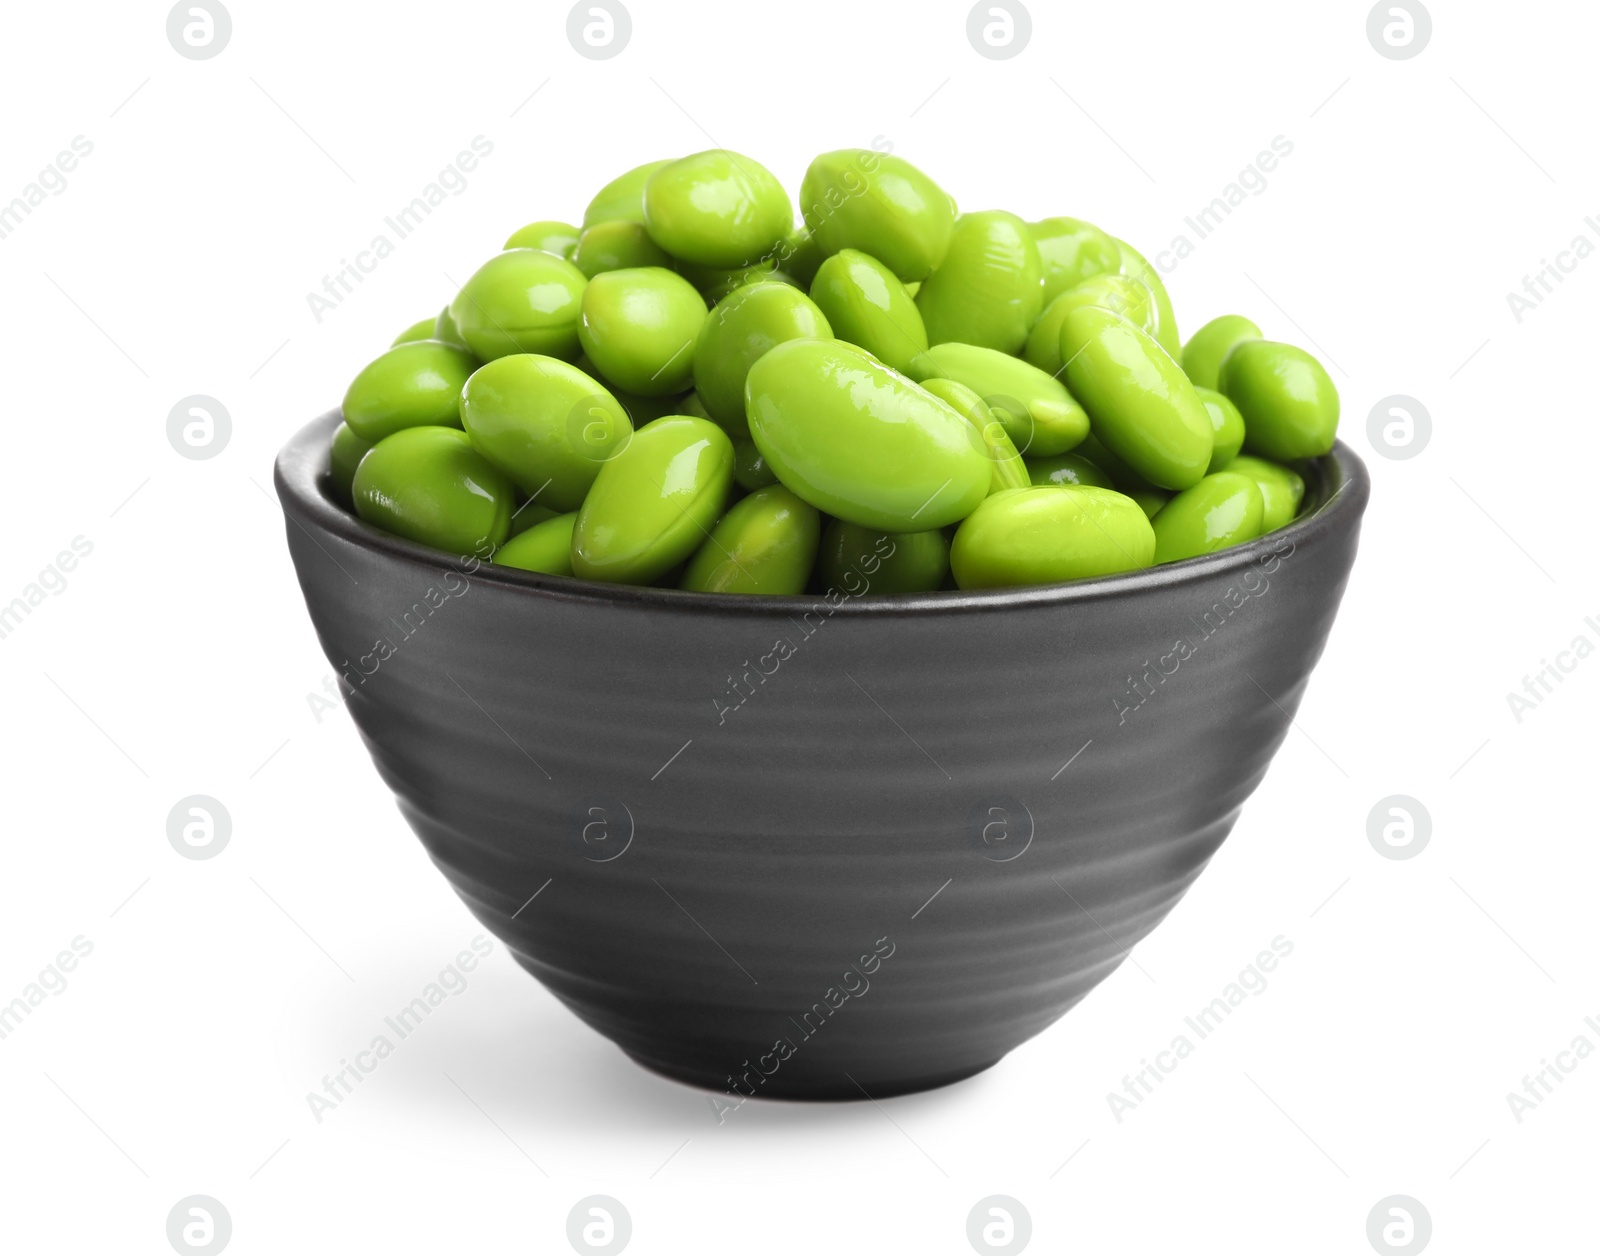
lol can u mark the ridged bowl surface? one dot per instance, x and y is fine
(817, 848)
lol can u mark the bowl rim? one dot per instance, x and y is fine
(302, 466)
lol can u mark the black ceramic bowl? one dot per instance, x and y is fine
(810, 847)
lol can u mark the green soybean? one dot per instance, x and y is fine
(1050, 533)
(799, 256)
(445, 329)
(639, 327)
(766, 543)
(528, 514)
(622, 200)
(858, 560)
(545, 424)
(653, 503)
(744, 326)
(545, 546)
(1282, 489)
(750, 469)
(1227, 428)
(429, 485)
(1221, 510)
(1039, 414)
(521, 301)
(1205, 351)
(1166, 329)
(559, 238)
(1067, 469)
(345, 453)
(856, 198)
(1009, 469)
(1141, 405)
(860, 441)
(986, 291)
(718, 283)
(1290, 406)
(422, 330)
(866, 305)
(1127, 297)
(716, 208)
(617, 245)
(415, 384)
(1070, 251)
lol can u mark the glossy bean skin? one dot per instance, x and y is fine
(799, 256)
(544, 546)
(1141, 405)
(1137, 267)
(559, 238)
(639, 327)
(653, 503)
(521, 301)
(640, 409)
(1047, 534)
(1150, 500)
(527, 515)
(1222, 510)
(1227, 428)
(545, 424)
(861, 442)
(1040, 415)
(716, 284)
(716, 208)
(1204, 353)
(857, 560)
(868, 306)
(1009, 469)
(445, 329)
(1282, 489)
(617, 245)
(1290, 406)
(1067, 469)
(415, 384)
(1070, 251)
(743, 327)
(750, 469)
(766, 543)
(622, 200)
(986, 291)
(429, 485)
(1127, 297)
(344, 455)
(855, 198)
(421, 330)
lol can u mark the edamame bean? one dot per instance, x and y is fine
(1067, 469)
(986, 291)
(653, 503)
(1203, 355)
(545, 546)
(855, 198)
(622, 200)
(717, 284)
(745, 325)
(1009, 470)
(1227, 428)
(716, 208)
(345, 454)
(429, 485)
(1290, 406)
(766, 543)
(545, 424)
(1127, 297)
(415, 384)
(1039, 414)
(799, 256)
(521, 301)
(1281, 489)
(860, 441)
(422, 330)
(527, 515)
(1141, 405)
(1221, 510)
(750, 469)
(1050, 533)
(1070, 251)
(857, 560)
(639, 327)
(617, 245)
(866, 305)
(1166, 330)
(445, 329)
(559, 238)
(1124, 478)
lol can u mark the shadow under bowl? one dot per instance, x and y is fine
(819, 847)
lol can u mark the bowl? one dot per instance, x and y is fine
(819, 847)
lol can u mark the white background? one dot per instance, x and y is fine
(178, 658)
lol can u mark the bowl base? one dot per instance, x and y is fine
(812, 1090)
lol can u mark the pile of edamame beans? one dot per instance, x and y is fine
(689, 391)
